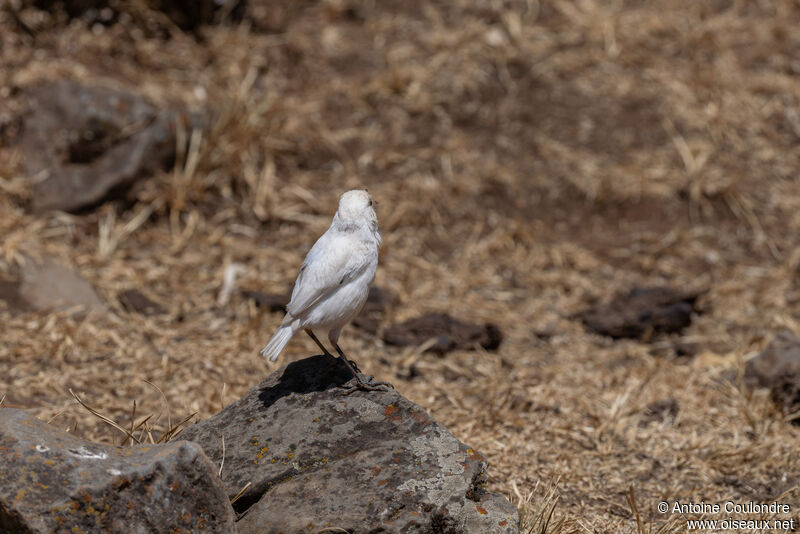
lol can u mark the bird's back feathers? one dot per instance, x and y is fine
(335, 259)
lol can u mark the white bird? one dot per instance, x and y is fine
(333, 282)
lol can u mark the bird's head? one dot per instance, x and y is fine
(357, 206)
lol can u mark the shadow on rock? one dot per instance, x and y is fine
(311, 375)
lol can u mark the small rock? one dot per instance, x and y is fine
(367, 462)
(641, 313)
(55, 482)
(449, 333)
(135, 301)
(777, 367)
(547, 332)
(47, 286)
(81, 143)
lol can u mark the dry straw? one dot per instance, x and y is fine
(530, 158)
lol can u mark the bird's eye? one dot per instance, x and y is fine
(370, 203)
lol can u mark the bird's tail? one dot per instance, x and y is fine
(278, 341)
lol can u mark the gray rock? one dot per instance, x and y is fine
(55, 482)
(777, 368)
(46, 285)
(367, 462)
(81, 143)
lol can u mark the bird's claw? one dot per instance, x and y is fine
(368, 385)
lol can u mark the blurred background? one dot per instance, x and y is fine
(590, 213)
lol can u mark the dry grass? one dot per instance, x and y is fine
(529, 157)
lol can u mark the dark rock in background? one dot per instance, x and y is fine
(777, 368)
(55, 482)
(82, 143)
(187, 15)
(368, 462)
(190, 14)
(641, 313)
(48, 286)
(378, 302)
(273, 302)
(135, 301)
(449, 333)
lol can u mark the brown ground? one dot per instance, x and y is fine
(530, 158)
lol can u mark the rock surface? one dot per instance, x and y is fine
(55, 482)
(447, 332)
(777, 367)
(81, 143)
(642, 312)
(47, 285)
(367, 462)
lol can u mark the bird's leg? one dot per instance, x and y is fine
(319, 344)
(369, 385)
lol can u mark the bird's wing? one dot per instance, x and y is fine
(328, 265)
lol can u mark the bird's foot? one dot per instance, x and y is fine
(367, 385)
